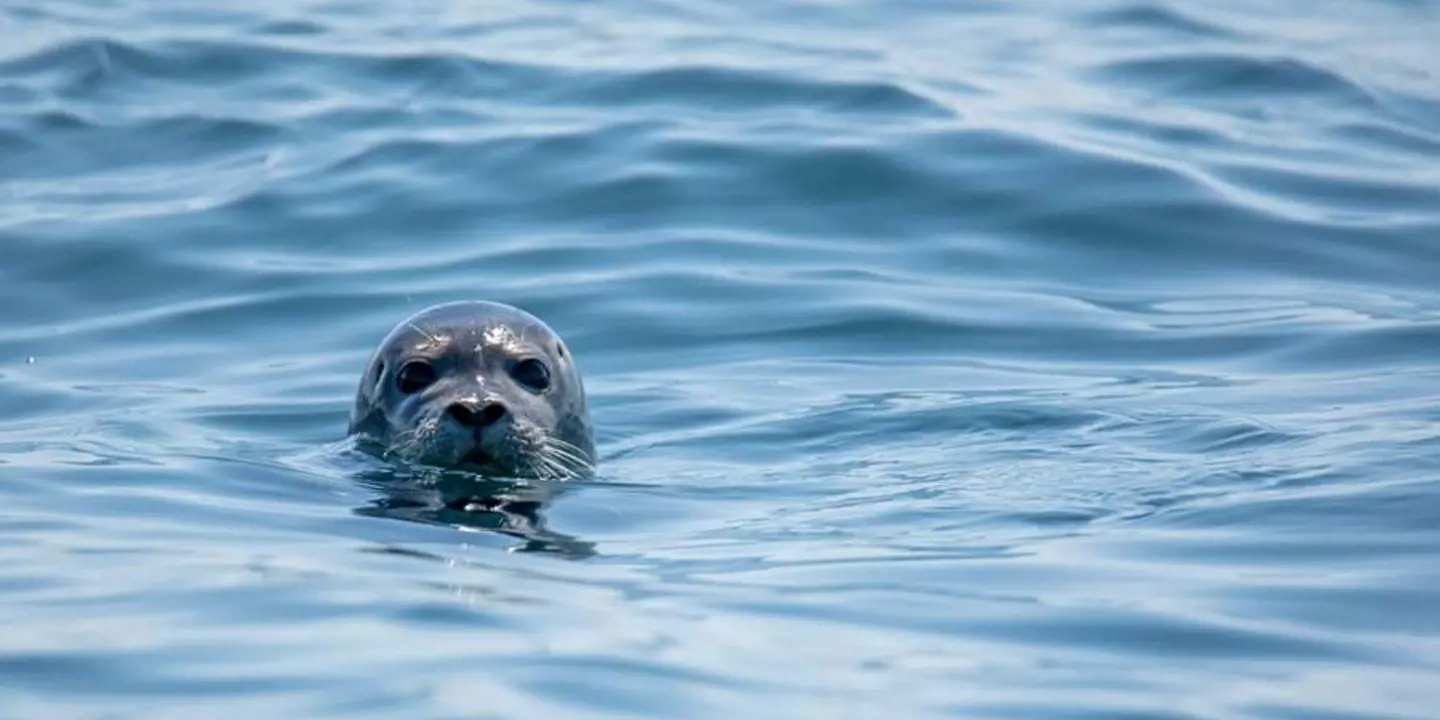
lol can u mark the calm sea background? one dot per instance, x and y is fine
(948, 359)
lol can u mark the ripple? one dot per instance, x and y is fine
(1238, 77)
(995, 360)
(1398, 200)
(1158, 18)
(291, 27)
(724, 89)
(168, 142)
(86, 68)
(1401, 140)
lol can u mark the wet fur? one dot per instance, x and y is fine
(545, 436)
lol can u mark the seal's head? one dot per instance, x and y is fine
(477, 385)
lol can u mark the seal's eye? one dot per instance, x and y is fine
(415, 376)
(532, 374)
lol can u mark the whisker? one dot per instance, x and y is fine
(544, 468)
(557, 456)
(563, 458)
(571, 454)
(559, 444)
(421, 330)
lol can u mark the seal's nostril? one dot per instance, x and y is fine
(467, 415)
(492, 414)
(463, 415)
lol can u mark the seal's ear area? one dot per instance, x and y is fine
(377, 375)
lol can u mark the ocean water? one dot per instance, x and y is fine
(947, 359)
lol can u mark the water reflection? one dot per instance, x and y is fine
(460, 499)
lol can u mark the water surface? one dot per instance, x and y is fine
(974, 359)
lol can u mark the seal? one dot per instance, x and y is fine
(480, 386)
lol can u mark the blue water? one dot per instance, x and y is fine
(970, 359)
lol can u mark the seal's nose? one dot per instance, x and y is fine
(476, 415)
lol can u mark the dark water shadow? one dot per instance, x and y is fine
(460, 499)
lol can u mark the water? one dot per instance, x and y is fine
(972, 359)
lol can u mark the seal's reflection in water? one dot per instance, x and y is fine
(456, 498)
